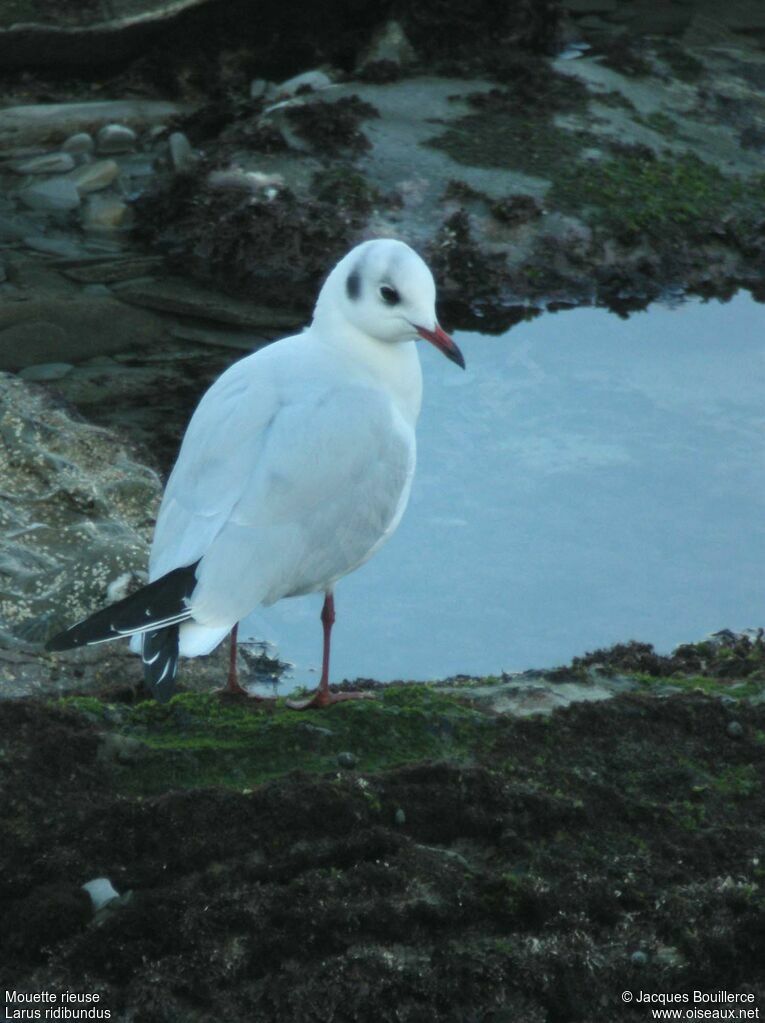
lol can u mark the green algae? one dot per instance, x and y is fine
(198, 739)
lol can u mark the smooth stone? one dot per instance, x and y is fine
(116, 138)
(59, 246)
(45, 328)
(176, 295)
(81, 144)
(347, 760)
(735, 729)
(51, 163)
(106, 213)
(45, 122)
(240, 341)
(181, 153)
(110, 270)
(45, 371)
(91, 177)
(315, 80)
(54, 195)
(260, 88)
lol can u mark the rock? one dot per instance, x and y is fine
(56, 195)
(347, 760)
(308, 81)
(390, 44)
(80, 144)
(106, 213)
(115, 138)
(639, 958)
(46, 371)
(735, 729)
(176, 295)
(577, 7)
(56, 328)
(109, 270)
(57, 245)
(77, 512)
(91, 177)
(48, 122)
(181, 153)
(51, 163)
(240, 340)
(399, 817)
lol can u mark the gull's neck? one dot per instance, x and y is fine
(391, 366)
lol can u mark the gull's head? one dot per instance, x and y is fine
(386, 291)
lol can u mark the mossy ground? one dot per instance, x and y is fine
(467, 866)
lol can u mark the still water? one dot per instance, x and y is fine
(586, 480)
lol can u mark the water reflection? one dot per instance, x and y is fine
(587, 480)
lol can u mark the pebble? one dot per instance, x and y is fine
(106, 213)
(50, 163)
(116, 138)
(91, 177)
(399, 817)
(54, 195)
(735, 729)
(181, 153)
(347, 760)
(260, 88)
(58, 246)
(389, 43)
(46, 371)
(79, 144)
(639, 958)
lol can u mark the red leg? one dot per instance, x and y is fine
(322, 697)
(232, 687)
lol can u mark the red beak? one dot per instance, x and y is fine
(443, 343)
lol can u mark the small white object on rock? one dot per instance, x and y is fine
(91, 177)
(101, 892)
(46, 371)
(181, 153)
(54, 195)
(116, 138)
(50, 163)
(79, 144)
(253, 181)
(106, 213)
(315, 80)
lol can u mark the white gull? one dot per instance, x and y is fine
(295, 468)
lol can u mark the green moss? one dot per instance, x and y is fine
(669, 200)
(197, 739)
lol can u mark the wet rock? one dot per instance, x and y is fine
(56, 195)
(639, 958)
(177, 295)
(181, 153)
(115, 138)
(54, 122)
(76, 509)
(91, 177)
(106, 213)
(80, 144)
(51, 163)
(51, 328)
(54, 245)
(109, 270)
(46, 371)
(261, 89)
(735, 729)
(347, 760)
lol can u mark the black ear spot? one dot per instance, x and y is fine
(353, 285)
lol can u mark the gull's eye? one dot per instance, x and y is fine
(389, 295)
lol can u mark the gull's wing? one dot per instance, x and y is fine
(286, 480)
(329, 486)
